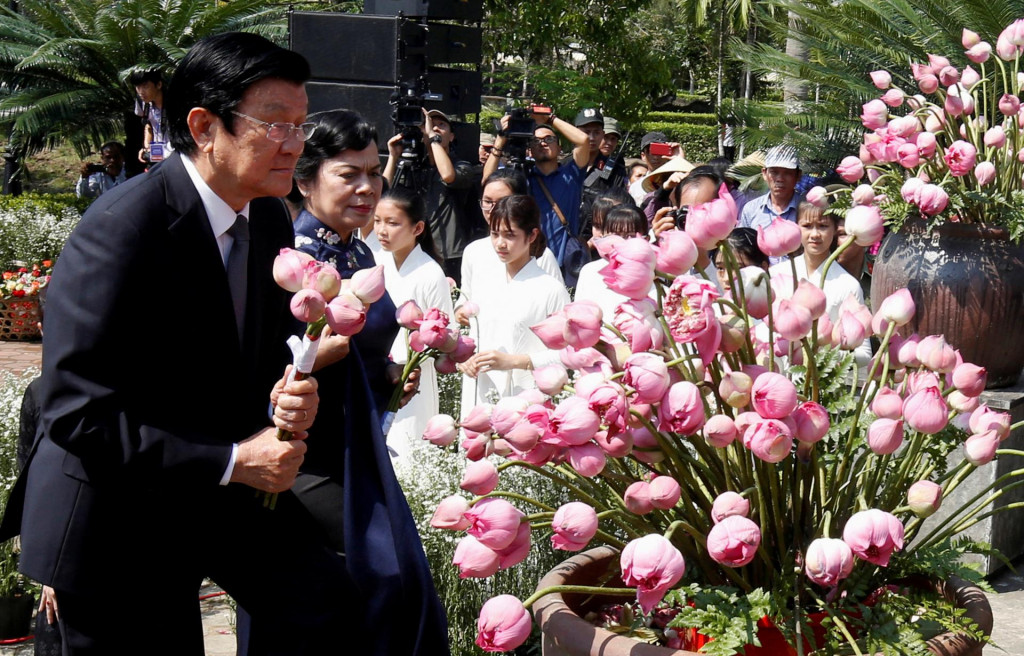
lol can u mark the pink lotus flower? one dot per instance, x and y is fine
(809, 296)
(769, 439)
(812, 422)
(887, 404)
(995, 137)
(953, 105)
(504, 624)
(925, 142)
(851, 169)
(474, 559)
(465, 347)
(984, 419)
(898, 307)
(874, 535)
(893, 97)
(848, 332)
(582, 324)
(653, 565)
(720, 431)
(451, 514)
(962, 403)
(606, 398)
(1009, 104)
(904, 126)
(322, 278)
(408, 315)
(970, 379)
(864, 194)
(368, 284)
(682, 409)
(308, 305)
(881, 79)
(757, 291)
(647, 374)
(494, 522)
(710, 223)
(729, 504)
(908, 155)
(885, 435)
(440, 430)
(551, 331)
(587, 360)
(937, 63)
(773, 395)
(864, 223)
(479, 418)
(780, 237)
(630, 268)
(791, 320)
(290, 267)
(926, 411)
(664, 492)
(1005, 49)
(637, 498)
(481, 477)
(676, 252)
(551, 378)
(969, 39)
(985, 172)
(574, 525)
(516, 552)
(638, 321)
(910, 188)
(949, 76)
(960, 157)
(573, 422)
(817, 196)
(979, 53)
(873, 116)
(980, 448)
(928, 83)
(931, 199)
(346, 314)
(933, 352)
(924, 498)
(588, 460)
(828, 561)
(733, 542)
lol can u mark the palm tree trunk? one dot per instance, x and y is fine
(720, 71)
(794, 91)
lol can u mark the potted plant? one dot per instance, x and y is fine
(945, 167)
(753, 488)
(20, 291)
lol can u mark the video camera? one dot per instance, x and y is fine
(519, 133)
(407, 116)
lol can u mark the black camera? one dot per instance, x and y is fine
(679, 215)
(96, 168)
(518, 136)
(407, 116)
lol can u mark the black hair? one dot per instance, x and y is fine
(721, 165)
(744, 242)
(805, 208)
(140, 77)
(216, 73)
(120, 146)
(605, 203)
(336, 131)
(625, 221)
(519, 211)
(695, 177)
(511, 178)
(413, 206)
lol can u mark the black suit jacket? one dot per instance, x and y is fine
(145, 385)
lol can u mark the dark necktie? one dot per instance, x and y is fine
(238, 262)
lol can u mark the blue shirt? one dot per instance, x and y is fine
(758, 212)
(565, 184)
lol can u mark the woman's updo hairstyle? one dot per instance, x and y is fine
(336, 131)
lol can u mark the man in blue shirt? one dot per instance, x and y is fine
(781, 171)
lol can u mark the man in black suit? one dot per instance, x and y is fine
(164, 347)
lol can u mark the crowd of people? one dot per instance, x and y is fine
(144, 469)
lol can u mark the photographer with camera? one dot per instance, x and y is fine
(94, 179)
(449, 189)
(558, 189)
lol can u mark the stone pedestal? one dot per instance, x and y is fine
(1003, 530)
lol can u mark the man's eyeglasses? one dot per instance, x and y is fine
(280, 132)
(487, 203)
(548, 140)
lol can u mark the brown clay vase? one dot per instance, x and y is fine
(968, 284)
(565, 633)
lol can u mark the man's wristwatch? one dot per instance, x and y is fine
(436, 139)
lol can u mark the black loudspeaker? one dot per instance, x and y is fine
(370, 100)
(453, 44)
(358, 48)
(467, 141)
(464, 10)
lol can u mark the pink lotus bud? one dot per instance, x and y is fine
(307, 305)
(791, 321)
(664, 492)
(864, 194)
(774, 396)
(874, 115)
(464, 348)
(408, 315)
(638, 321)
(825, 328)
(928, 83)
(810, 296)
(924, 498)
(925, 142)
(980, 448)
(898, 307)
(710, 223)
(574, 525)
(873, 535)
(582, 324)
(985, 172)
(729, 504)
(474, 559)
(851, 169)
(979, 53)
(368, 284)
(322, 278)
(970, 379)
(551, 331)
(494, 522)
(516, 552)
(682, 409)
(440, 430)
(587, 459)
(587, 360)
(733, 542)
(504, 624)
(780, 237)
(630, 268)
(962, 403)
(653, 565)
(812, 422)
(573, 422)
(479, 418)
(756, 290)
(937, 63)
(290, 267)
(648, 375)
(720, 431)
(676, 252)
(931, 199)
(885, 435)
(864, 224)
(551, 378)
(817, 196)
(960, 157)
(881, 79)
(1005, 49)
(926, 411)
(828, 561)
(984, 419)
(637, 498)
(887, 404)
(935, 354)
(848, 332)
(911, 187)
(1009, 104)
(935, 121)
(969, 39)
(953, 105)
(919, 380)
(949, 76)
(904, 126)
(450, 514)
(907, 353)
(969, 78)
(908, 155)
(893, 97)
(346, 314)
(769, 439)
(481, 477)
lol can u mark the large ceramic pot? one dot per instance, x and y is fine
(565, 633)
(968, 284)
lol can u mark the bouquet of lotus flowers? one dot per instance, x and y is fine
(955, 151)
(721, 452)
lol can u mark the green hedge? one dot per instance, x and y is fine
(34, 227)
(683, 118)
